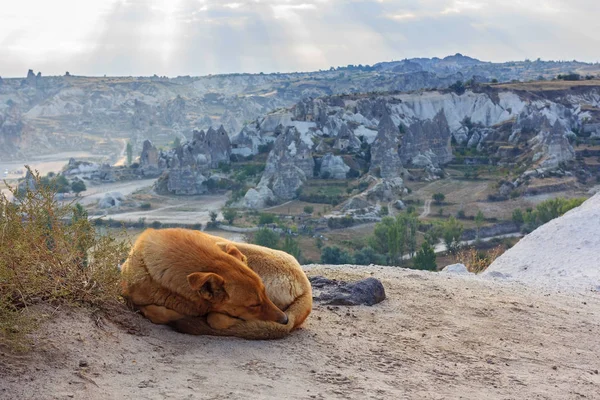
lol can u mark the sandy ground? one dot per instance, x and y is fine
(435, 337)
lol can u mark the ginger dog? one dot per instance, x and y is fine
(286, 285)
(175, 273)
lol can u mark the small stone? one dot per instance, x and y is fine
(83, 363)
(555, 367)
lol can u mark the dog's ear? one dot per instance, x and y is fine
(207, 284)
(230, 249)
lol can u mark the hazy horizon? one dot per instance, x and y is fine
(202, 37)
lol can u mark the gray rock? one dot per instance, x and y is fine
(427, 142)
(289, 164)
(110, 200)
(259, 197)
(333, 167)
(149, 155)
(399, 204)
(368, 291)
(457, 269)
(497, 275)
(385, 160)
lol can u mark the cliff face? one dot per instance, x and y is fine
(186, 168)
(390, 133)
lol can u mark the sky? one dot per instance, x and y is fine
(200, 37)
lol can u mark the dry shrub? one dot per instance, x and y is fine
(477, 261)
(51, 254)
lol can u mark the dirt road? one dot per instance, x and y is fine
(435, 337)
(426, 209)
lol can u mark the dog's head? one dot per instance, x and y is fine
(235, 290)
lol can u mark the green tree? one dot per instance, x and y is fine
(335, 255)
(452, 232)
(230, 215)
(62, 184)
(425, 258)
(78, 186)
(266, 218)
(309, 209)
(433, 235)
(368, 255)
(129, 151)
(267, 238)
(517, 216)
(479, 219)
(438, 198)
(395, 236)
(213, 217)
(290, 246)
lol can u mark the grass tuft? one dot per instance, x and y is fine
(50, 254)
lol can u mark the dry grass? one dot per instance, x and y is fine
(50, 254)
(477, 261)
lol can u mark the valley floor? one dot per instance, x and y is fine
(437, 336)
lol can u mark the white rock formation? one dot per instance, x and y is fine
(562, 254)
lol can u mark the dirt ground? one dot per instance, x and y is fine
(435, 337)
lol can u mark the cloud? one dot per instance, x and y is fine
(195, 37)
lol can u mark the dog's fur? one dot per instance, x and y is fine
(286, 285)
(176, 273)
(152, 290)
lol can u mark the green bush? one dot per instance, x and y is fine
(266, 218)
(335, 255)
(309, 209)
(425, 258)
(267, 238)
(368, 255)
(438, 198)
(230, 215)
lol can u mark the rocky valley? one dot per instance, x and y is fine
(42, 115)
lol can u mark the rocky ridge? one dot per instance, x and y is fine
(388, 134)
(40, 114)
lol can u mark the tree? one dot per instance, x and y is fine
(458, 87)
(433, 234)
(266, 218)
(368, 255)
(425, 258)
(230, 215)
(394, 236)
(78, 186)
(213, 217)
(438, 198)
(309, 209)
(290, 246)
(267, 238)
(517, 216)
(62, 184)
(479, 219)
(335, 255)
(129, 151)
(452, 232)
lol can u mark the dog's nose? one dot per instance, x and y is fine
(284, 320)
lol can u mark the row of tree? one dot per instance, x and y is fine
(394, 241)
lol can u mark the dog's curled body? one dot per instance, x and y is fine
(156, 281)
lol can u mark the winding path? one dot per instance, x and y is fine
(426, 209)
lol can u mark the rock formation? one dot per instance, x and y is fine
(333, 167)
(427, 142)
(385, 159)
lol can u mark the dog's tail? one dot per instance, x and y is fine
(297, 312)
